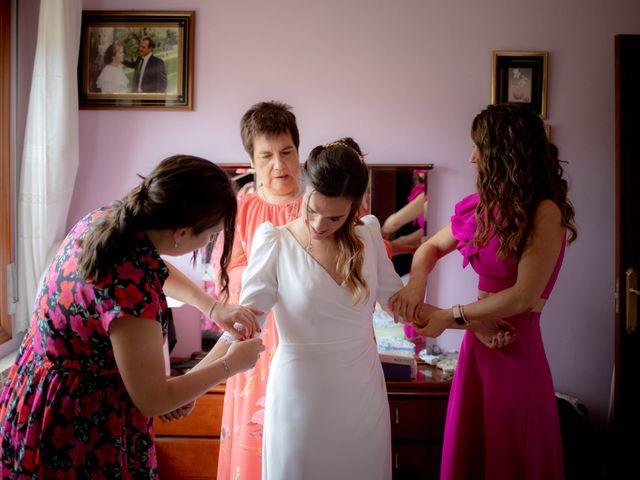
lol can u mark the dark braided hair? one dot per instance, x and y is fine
(182, 191)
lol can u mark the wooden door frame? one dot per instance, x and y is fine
(6, 187)
(625, 418)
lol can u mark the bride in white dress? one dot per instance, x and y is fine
(326, 412)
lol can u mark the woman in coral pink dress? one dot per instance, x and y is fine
(502, 419)
(270, 137)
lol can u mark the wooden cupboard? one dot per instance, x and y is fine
(188, 448)
(418, 409)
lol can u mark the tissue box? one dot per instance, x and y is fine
(398, 367)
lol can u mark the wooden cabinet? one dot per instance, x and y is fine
(188, 448)
(418, 409)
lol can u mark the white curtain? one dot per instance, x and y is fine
(51, 150)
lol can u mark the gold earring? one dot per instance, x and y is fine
(175, 244)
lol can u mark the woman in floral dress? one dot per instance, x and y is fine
(90, 375)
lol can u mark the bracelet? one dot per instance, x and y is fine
(213, 305)
(458, 315)
(225, 366)
(464, 317)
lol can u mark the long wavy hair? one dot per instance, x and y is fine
(182, 191)
(335, 170)
(517, 169)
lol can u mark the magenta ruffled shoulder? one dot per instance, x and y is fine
(463, 226)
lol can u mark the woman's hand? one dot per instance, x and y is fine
(227, 315)
(406, 303)
(425, 311)
(433, 321)
(178, 413)
(496, 334)
(243, 355)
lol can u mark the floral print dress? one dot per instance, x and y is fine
(64, 410)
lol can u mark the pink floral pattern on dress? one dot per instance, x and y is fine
(64, 410)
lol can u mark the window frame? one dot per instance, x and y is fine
(7, 187)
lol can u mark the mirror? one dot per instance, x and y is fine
(392, 188)
(398, 197)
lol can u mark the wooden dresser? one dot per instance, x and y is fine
(418, 409)
(188, 448)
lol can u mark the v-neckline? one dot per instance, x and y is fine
(295, 240)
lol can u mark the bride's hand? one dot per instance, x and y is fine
(406, 302)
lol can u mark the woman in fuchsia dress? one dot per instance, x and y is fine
(502, 419)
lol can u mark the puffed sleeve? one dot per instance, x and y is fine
(389, 281)
(260, 278)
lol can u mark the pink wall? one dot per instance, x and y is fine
(405, 79)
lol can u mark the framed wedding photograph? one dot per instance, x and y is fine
(520, 78)
(136, 59)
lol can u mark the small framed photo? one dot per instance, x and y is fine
(136, 60)
(520, 78)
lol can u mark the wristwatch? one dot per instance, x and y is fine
(458, 317)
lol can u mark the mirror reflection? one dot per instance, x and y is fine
(399, 199)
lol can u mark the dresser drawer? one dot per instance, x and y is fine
(416, 461)
(203, 421)
(417, 418)
(187, 458)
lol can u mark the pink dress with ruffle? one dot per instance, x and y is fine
(502, 418)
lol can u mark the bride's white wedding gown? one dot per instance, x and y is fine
(326, 412)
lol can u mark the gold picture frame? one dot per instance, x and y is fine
(141, 59)
(520, 77)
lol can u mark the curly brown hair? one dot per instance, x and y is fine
(517, 169)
